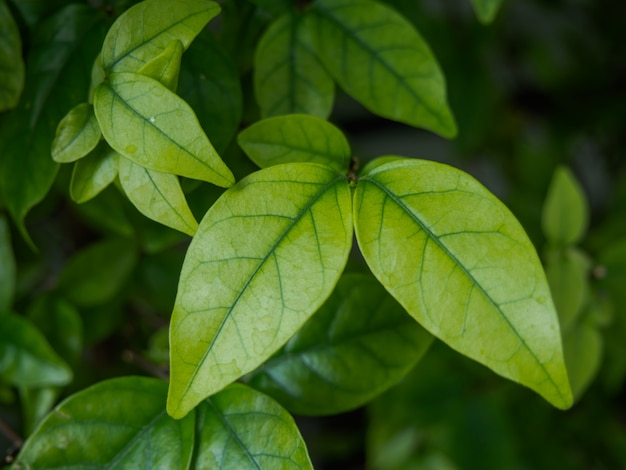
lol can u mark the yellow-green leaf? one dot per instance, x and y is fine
(166, 66)
(77, 134)
(486, 9)
(94, 173)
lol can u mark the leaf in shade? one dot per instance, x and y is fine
(94, 173)
(77, 134)
(11, 62)
(7, 267)
(267, 254)
(486, 9)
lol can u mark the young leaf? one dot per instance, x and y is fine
(295, 138)
(11, 63)
(583, 347)
(244, 429)
(7, 267)
(145, 30)
(486, 9)
(157, 195)
(460, 263)
(77, 134)
(152, 126)
(288, 76)
(266, 256)
(115, 424)
(357, 345)
(379, 59)
(94, 173)
(166, 66)
(26, 358)
(565, 212)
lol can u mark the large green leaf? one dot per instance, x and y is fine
(94, 173)
(288, 76)
(26, 358)
(379, 59)
(356, 346)
(157, 195)
(11, 62)
(77, 134)
(295, 138)
(7, 267)
(145, 30)
(486, 9)
(461, 264)
(117, 424)
(152, 126)
(241, 429)
(267, 254)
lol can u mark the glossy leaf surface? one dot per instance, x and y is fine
(7, 267)
(379, 59)
(11, 62)
(150, 125)
(94, 173)
(288, 76)
(358, 344)
(145, 30)
(461, 264)
(486, 10)
(267, 254)
(244, 429)
(295, 138)
(157, 195)
(77, 134)
(116, 424)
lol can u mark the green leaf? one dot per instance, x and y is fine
(486, 9)
(94, 173)
(77, 134)
(379, 59)
(145, 30)
(26, 358)
(583, 347)
(7, 267)
(295, 138)
(115, 424)
(166, 66)
(565, 213)
(107, 214)
(11, 62)
(36, 404)
(152, 126)
(357, 345)
(275, 6)
(288, 76)
(157, 195)
(267, 254)
(244, 429)
(460, 263)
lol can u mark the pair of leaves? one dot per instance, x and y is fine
(271, 249)
(121, 423)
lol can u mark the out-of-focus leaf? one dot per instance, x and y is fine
(115, 424)
(106, 213)
(26, 358)
(295, 138)
(77, 134)
(267, 254)
(275, 6)
(94, 173)
(166, 66)
(244, 429)
(33, 11)
(486, 9)
(358, 344)
(379, 59)
(7, 267)
(11, 62)
(460, 263)
(36, 403)
(582, 346)
(288, 76)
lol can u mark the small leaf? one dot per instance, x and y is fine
(77, 134)
(7, 267)
(157, 195)
(150, 125)
(244, 429)
(379, 59)
(358, 344)
(26, 358)
(115, 424)
(583, 347)
(166, 66)
(565, 212)
(295, 138)
(94, 173)
(486, 9)
(460, 263)
(11, 62)
(267, 254)
(145, 30)
(288, 76)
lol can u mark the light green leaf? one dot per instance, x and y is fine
(145, 30)
(77, 134)
(486, 9)
(379, 59)
(150, 125)
(7, 267)
(461, 264)
(267, 254)
(565, 212)
(295, 138)
(583, 347)
(157, 195)
(94, 173)
(166, 66)
(116, 424)
(288, 76)
(244, 429)
(358, 344)
(26, 358)
(11, 62)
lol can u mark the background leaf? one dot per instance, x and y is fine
(460, 263)
(266, 256)
(7, 267)
(582, 346)
(77, 134)
(11, 62)
(94, 173)
(358, 344)
(486, 9)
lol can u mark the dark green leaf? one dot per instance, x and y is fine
(94, 173)
(7, 267)
(275, 6)
(11, 62)
(486, 9)
(77, 134)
